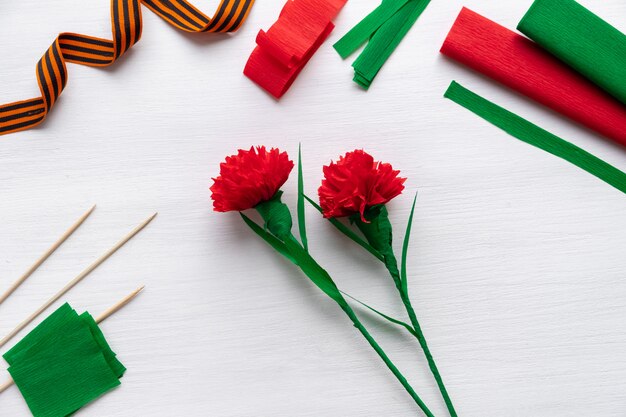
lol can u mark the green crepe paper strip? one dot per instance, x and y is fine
(536, 136)
(273, 233)
(386, 26)
(364, 30)
(63, 364)
(378, 232)
(582, 40)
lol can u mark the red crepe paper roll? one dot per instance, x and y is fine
(289, 44)
(520, 64)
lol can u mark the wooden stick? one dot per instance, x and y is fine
(75, 281)
(117, 307)
(46, 255)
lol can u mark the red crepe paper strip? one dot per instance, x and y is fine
(284, 50)
(520, 64)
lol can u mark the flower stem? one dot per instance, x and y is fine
(385, 358)
(316, 273)
(392, 266)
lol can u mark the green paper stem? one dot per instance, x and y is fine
(289, 247)
(580, 39)
(536, 136)
(379, 234)
(301, 216)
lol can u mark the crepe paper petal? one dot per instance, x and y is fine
(283, 51)
(383, 315)
(324, 282)
(385, 41)
(301, 214)
(364, 30)
(536, 136)
(355, 183)
(520, 64)
(249, 178)
(580, 39)
(405, 249)
(63, 364)
(346, 231)
(126, 25)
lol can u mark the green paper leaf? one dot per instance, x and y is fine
(301, 216)
(383, 315)
(405, 249)
(349, 233)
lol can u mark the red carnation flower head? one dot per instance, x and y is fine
(249, 178)
(355, 183)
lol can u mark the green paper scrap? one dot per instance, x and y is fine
(385, 27)
(536, 136)
(582, 40)
(364, 30)
(63, 364)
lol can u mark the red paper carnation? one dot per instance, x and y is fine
(249, 178)
(357, 182)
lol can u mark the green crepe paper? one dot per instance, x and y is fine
(536, 136)
(63, 364)
(582, 40)
(277, 220)
(364, 30)
(386, 26)
(378, 232)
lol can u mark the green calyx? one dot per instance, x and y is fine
(276, 216)
(376, 228)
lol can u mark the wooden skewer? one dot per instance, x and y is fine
(76, 280)
(117, 307)
(46, 255)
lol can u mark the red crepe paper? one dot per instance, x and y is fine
(520, 64)
(356, 183)
(289, 44)
(249, 178)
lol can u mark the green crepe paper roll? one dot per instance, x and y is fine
(582, 40)
(63, 364)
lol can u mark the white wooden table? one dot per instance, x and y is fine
(518, 269)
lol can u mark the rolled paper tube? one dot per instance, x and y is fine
(582, 40)
(284, 50)
(522, 65)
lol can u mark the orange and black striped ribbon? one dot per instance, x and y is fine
(97, 52)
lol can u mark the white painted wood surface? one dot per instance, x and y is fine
(517, 259)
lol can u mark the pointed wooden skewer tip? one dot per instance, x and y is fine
(46, 255)
(108, 313)
(76, 280)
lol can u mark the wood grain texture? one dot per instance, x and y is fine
(517, 259)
